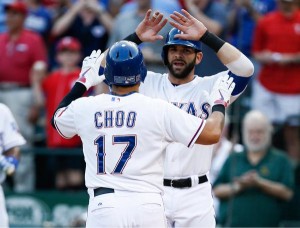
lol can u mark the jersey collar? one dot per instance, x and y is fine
(124, 95)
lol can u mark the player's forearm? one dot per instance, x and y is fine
(76, 92)
(133, 38)
(9, 160)
(15, 152)
(230, 56)
(213, 128)
(235, 61)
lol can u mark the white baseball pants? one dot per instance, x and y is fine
(126, 209)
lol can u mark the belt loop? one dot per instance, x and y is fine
(90, 192)
(195, 180)
(171, 183)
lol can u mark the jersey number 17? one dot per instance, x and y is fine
(129, 140)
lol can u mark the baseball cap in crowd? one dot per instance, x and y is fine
(68, 43)
(18, 6)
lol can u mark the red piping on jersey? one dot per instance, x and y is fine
(60, 131)
(62, 112)
(56, 126)
(196, 133)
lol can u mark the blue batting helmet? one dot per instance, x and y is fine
(171, 40)
(124, 64)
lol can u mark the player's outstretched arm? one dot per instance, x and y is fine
(220, 96)
(230, 56)
(88, 77)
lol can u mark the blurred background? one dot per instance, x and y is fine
(51, 37)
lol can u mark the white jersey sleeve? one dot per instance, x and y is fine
(182, 127)
(10, 135)
(64, 121)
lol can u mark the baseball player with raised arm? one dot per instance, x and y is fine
(188, 199)
(124, 136)
(10, 140)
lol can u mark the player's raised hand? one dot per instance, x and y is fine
(89, 71)
(222, 90)
(148, 29)
(192, 29)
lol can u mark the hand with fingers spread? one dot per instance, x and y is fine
(222, 90)
(89, 71)
(148, 29)
(192, 29)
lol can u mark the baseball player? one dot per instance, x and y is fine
(124, 135)
(188, 199)
(10, 140)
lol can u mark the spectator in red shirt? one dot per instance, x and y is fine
(58, 83)
(22, 55)
(277, 90)
(49, 92)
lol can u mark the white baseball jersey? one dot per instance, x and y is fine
(9, 131)
(124, 138)
(193, 98)
(9, 138)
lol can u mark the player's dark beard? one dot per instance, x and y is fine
(187, 70)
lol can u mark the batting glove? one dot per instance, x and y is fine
(222, 90)
(8, 164)
(89, 71)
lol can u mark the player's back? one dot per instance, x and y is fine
(124, 139)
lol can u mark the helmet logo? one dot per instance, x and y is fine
(127, 79)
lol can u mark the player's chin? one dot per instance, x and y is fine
(178, 68)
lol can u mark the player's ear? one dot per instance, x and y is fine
(199, 56)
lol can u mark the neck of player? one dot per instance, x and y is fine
(123, 90)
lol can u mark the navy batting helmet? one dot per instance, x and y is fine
(124, 64)
(171, 40)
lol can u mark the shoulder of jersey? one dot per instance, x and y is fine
(159, 101)
(155, 76)
(86, 99)
(3, 108)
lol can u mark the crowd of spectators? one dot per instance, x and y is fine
(42, 43)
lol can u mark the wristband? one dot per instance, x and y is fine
(133, 38)
(218, 108)
(212, 41)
